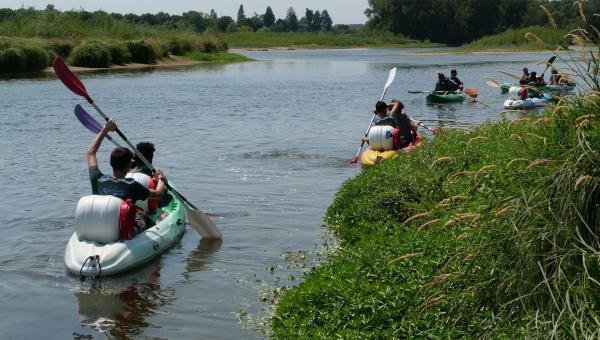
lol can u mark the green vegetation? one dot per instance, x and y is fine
(488, 233)
(311, 40)
(30, 38)
(220, 58)
(22, 55)
(533, 38)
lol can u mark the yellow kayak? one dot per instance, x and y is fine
(369, 157)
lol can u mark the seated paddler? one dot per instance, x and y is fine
(116, 184)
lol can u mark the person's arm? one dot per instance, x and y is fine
(395, 107)
(414, 124)
(160, 185)
(111, 125)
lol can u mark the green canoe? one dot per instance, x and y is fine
(445, 97)
(551, 88)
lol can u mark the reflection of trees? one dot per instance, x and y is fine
(122, 313)
(201, 255)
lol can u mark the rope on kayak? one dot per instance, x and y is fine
(93, 258)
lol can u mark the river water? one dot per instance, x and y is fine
(261, 145)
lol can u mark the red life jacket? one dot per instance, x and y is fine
(127, 220)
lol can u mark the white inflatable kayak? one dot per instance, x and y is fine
(528, 103)
(86, 257)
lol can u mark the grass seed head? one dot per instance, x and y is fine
(581, 180)
(410, 219)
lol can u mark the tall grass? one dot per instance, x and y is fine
(293, 39)
(490, 233)
(519, 40)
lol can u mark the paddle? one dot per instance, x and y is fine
(509, 74)
(548, 63)
(415, 91)
(425, 126)
(492, 82)
(389, 82)
(196, 217)
(90, 123)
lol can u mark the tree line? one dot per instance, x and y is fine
(312, 21)
(460, 21)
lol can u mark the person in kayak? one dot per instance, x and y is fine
(523, 89)
(526, 74)
(442, 84)
(147, 150)
(117, 185)
(399, 120)
(555, 77)
(455, 84)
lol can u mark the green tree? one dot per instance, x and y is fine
(326, 22)
(241, 17)
(268, 17)
(291, 20)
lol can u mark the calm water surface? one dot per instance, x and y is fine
(262, 145)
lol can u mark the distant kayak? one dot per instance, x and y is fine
(529, 103)
(567, 87)
(445, 97)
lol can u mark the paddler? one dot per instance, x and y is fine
(455, 84)
(116, 184)
(442, 84)
(147, 149)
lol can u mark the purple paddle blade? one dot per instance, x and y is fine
(88, 121)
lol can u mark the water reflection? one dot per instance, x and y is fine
(123, 312)
(200, 256)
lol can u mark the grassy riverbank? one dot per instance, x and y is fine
(535, 38)
(486, 233)
(264, 40)
(30, 39)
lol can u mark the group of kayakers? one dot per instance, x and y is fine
(123, 161)
(451, 84)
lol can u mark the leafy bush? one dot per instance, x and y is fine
(12, 60)
(91, 54)
(60, 47)
(21, 55)
(179, 46)
(36, 58)
(119, 54)
(141, 52)
(161, 48)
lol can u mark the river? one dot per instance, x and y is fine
(263, 146)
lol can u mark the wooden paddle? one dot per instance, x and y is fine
(196, 217)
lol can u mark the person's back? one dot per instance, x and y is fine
(442, 83)
(123, 188)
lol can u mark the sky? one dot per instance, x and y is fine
(341, 11)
